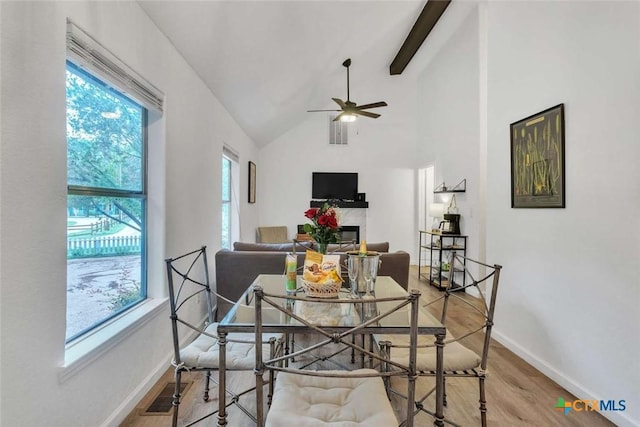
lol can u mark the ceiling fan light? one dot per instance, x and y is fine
(348, 118)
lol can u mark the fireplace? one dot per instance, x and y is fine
(349, 233)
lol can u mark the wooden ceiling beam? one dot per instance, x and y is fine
(428, 18)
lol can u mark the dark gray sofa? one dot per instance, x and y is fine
(237, 269)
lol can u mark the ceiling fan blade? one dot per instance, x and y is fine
(349, 108)
(366, 114)
(340, 102)
(373, 105)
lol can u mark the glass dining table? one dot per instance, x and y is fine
(241, 318)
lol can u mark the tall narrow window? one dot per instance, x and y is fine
(230, 189)
(106, 204)
(226, 203)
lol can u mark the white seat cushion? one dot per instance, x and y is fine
(203, 352)
(456, 356)
(302, 401)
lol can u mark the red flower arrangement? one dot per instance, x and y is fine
(324, 227)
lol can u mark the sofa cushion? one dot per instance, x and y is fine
(273, 247)
(304, 245)
(341, 247)
(345, 247)
(378, 247)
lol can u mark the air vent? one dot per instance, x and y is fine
(338, 132)
(163, 402)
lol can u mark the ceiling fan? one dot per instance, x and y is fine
(349, 110)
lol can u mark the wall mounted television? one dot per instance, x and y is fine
(334, 185)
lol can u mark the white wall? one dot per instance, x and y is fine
(570, 291)
(448, 124)
(380, 151)
(184, 207)
(571, 294)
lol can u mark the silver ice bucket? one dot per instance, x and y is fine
(363, 271)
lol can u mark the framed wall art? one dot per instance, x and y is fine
(252, 182)
(537, 160)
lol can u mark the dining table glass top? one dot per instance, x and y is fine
(344, 311)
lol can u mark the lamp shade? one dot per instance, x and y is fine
(453, 207)
(436, 210)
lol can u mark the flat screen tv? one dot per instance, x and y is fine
(334, 185)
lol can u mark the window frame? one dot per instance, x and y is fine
(142, 195)
(228, 203)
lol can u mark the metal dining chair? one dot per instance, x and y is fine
(191, 301)
(477, 305)
(330, 397)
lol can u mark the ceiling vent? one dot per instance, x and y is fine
(338, 132)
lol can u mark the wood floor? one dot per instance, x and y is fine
(517, 394)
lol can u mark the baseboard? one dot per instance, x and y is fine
(131, 401)
(621, 419)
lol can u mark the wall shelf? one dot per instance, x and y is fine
(339, 203)
(460, 187)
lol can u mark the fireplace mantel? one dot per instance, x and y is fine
(340, 204)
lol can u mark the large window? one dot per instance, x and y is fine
(106, 204)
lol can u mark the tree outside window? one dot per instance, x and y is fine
(106, 220)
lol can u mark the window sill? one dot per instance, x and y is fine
(81, 352)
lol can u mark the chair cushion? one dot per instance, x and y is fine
(301, 400)
(456, 356)
(203, 352)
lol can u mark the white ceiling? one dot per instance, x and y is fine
(270, 61)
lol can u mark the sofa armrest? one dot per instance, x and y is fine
(236, 271)
(396, 265)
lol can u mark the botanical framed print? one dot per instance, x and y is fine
(252, 182)
(537, 160)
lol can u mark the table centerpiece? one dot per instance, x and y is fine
(324, 226)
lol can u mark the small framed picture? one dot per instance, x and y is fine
(252, 182)
(537, 160)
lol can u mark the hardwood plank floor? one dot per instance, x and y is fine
(517, 393)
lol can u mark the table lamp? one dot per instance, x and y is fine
(436, 211)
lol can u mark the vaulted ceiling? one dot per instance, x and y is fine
(270, 61)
